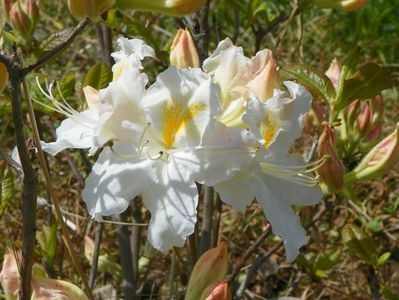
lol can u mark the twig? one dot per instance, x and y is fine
(96, 254)
(248, 253)
(135, 237)
(49, 55)
(206, 236)
(216, 224)
(263, 258)
(50, 188)
(201, 30)
(29, 189)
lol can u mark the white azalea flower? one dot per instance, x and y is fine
(237, 77)
(92, 128)
(277, 180)
(163, 142)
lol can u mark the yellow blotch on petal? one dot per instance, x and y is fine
(176, 118)
(268, 129)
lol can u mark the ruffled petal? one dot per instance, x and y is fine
(75, 132)
(284, 221)
(223, 152)
(172, 203)
(114, 181)
(179, 106)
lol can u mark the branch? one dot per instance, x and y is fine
(248, 253)
(29, 182)
(263, 258)
(49, 55)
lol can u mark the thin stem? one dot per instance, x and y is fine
(96, 254)
(206, 233)
(50, 188)
(135, 238)
(56, 50)
(216, 224)
(248, 253)
(29, 189)
(172, 275)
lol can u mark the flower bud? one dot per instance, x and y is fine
(375, 133)
(210, 268)
(218, 291)
(352, 112)
(332, 171)
(334, 72)
(3, 76)
(364, 120)
(377, 105)
(266, 79)
(92, 96)
(347, 5)
(33, 11)
(382, 158)
(20, 20)
(9, 276)
(6, 7)
(170, 7)
(183, 53)
(92, 9)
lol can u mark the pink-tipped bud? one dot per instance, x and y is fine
(219, 291)
(209, 269)
(319, 111)
(347, 5)
(33, 11)
(3, 76)
(364, 120)
(266, 78)
(381, 159)
(332, 171)
(170, 7)
(9, 276)
(377, 105)
(352, 112)
(183, 53)
(334, 72)
(375, 133)
(20, 20)
(92, 96)
(6, 7)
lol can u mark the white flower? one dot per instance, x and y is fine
(277, 180)
(163, 142)
(92, 128)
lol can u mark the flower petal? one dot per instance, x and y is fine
(284, 221)
(179, 106)
(223, 152)
(114, 181)
(75, 132)
(172, 203)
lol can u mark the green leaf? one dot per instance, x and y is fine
(375, 225)
(55, 39)
(99, 76)
(47, 243)
(359, 243)
(383, 258)
(7, 190)
(319, 85)
(67, 86)
(367, 82)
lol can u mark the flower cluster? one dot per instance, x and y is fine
(228, 125)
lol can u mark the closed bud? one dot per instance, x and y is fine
(332, 171)
(377, 105)
(382, 158)
(209, 269)
(364, 120)
(170, 7)
(219, 291)
(347, 5)
(3, 76)
(92, 96)
(6, 7)
(266, 78)
(352, 112)
(9, 276)
(334, 72)
(20, 20)
(92, 9)
(375, 133)
(183, 53)
(33, 11)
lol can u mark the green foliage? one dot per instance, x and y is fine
(98, 77)
(320, 265)
(362, 245)
(7, 189)
(47, 243)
